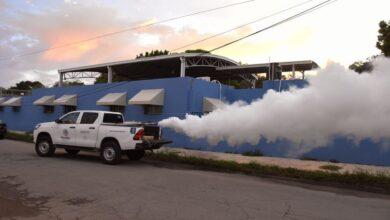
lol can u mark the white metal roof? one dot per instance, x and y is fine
(16, 101)
(210, 104)
(147, 59)
(302, 65)
(117, 99)
(69, 100)
(148, 97)
(45, 100)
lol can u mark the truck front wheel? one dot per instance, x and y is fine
(135, 154)
(110, 153)
(44, 147)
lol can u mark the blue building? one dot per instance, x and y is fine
(175, 90)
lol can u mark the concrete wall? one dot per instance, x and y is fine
(185, 96)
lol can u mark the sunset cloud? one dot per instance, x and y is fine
(26, 27)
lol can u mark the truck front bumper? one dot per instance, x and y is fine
(151, 144)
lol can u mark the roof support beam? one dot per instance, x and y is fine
(61, 81)
(293, 70)
(109, 74)
(182, 67)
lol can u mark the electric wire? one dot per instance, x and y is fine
(316, 7)
(311, 9)
(123, 31)
(213, 36)
(241, 26)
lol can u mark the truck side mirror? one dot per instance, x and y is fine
(58, 121)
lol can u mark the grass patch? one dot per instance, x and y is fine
(25, 137)
(330, 167)
(315, 159)
(360, 180)
(256, 153)
(231, 152)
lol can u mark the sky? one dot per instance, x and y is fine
(343, 32)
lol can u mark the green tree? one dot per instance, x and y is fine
(152, 53)
(383, 43)
(362, 66)
(69, 83)
(27, 85)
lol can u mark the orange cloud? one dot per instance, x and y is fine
(300, 36)
(64, 37)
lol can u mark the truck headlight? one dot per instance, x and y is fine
(37, 126)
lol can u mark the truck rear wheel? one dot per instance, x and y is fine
(135, 154)
(44, 147)
(72, 152)
(110, 153)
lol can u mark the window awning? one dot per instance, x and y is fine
(148, 97)
(113, 99)
(15, 102)
(210, 104)
(69, 100)
(45, 100)
(2, 100)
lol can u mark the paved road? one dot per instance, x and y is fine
(82, 188)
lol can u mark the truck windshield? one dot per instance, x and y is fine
(113, 118)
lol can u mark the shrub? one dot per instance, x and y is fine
(330, 167)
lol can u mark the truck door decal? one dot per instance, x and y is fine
(65, 134)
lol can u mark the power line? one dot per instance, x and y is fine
(124, 30)
(311, 9)
(242, 25)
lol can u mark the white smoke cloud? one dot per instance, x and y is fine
(336, 102)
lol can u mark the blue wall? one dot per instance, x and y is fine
(185, 96)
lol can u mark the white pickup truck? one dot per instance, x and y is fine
(97, 131)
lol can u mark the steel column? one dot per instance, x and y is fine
(182, 67)
(61, 81)
(109, 74)
(293, 70)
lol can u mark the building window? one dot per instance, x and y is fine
(16, 108)
(153, 109)
(68, 108)
(116, 108)
(48, 109)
